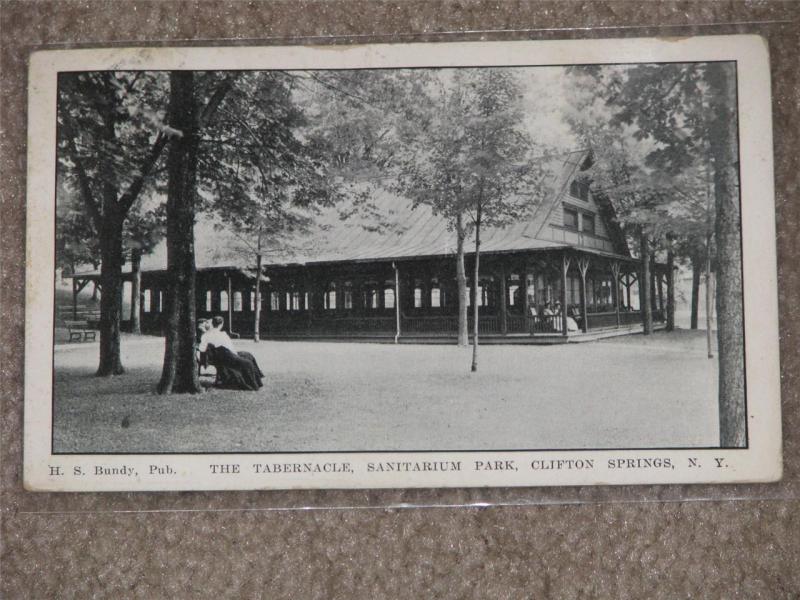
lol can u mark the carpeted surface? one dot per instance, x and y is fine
(645, 545)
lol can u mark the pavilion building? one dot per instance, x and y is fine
(397, 282)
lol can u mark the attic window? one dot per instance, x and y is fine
(579, 189)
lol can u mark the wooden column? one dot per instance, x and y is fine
(565, 261)
(615, 288)
(628, 286)
(503, 314)
(583, 267)
(74, 299)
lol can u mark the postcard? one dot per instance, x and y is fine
(474, 264)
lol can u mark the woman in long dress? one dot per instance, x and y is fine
(237, 370)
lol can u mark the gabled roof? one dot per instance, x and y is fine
(413, 232)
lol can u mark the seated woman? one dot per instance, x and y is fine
(237, 370)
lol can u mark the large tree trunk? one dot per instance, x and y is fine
(645, 301)
(179, 373)
(697, 266)
(257, 301)
(730, 316)
(136, 284)
(461, 282)
(475, 281)
(111, 298)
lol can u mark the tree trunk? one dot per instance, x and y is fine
(645, 301)
(475, 281)
(696, 270)
(179, 374)
(257, 301)
(136, 284)
(461, 282)
(730, 316)
(111, 298)
(709, 309)
(670, 288)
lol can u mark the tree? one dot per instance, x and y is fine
(194, 100)
(469, 157)
(110, 141)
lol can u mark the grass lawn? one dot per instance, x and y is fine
(627, 392)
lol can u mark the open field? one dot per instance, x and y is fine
(629, 392)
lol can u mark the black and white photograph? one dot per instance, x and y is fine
(312, 271)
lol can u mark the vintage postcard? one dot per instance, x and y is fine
(401, 265)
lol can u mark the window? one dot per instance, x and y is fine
(274, 301)
(388, 298)
(223, 300)
(579, 189)
(237, 301)
(252, 299)
(160, 306)
(372, 298)
(208, 301)
(306, 305)
(570, 219)
(513, 294)
(436, 297)
(348, 295)
(330, 297)
(294, 301)
(146, 307)
(588, 223)
(417, 297)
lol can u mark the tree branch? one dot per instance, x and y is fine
(129, 197)
(216, 98)
(83, 179)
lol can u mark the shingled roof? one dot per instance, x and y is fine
(412, 232)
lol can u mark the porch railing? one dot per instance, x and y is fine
(444, 325)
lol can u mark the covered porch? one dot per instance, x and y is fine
(551, 296)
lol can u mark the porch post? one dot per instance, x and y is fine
(615, 288)
(230, 305)
(628, 286)
(503, 294)
(583, 267)
(526, 305)
(74, 299)
(565, 260)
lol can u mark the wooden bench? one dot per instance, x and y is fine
(79, 331)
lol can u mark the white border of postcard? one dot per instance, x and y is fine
(760, 462)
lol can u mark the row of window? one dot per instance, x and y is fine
(598, 294)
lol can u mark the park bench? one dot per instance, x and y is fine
(79, 331)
